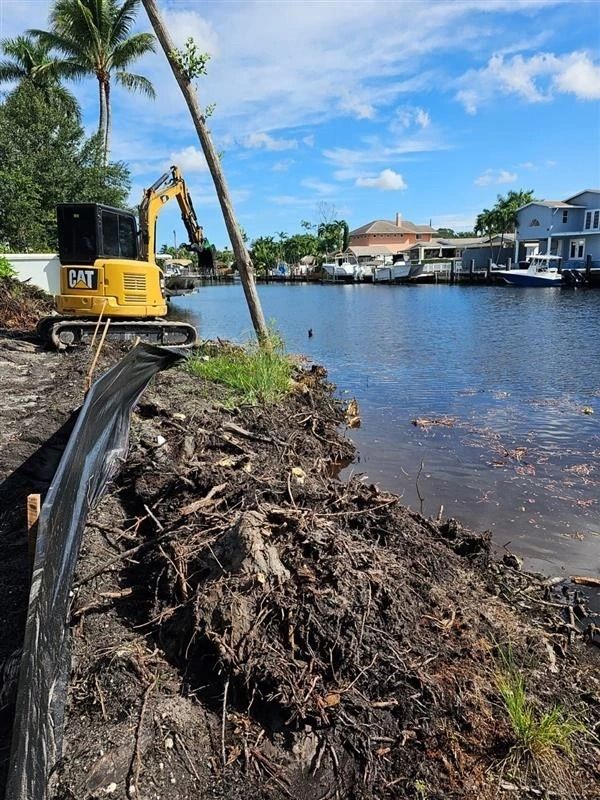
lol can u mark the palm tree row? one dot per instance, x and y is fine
(86, 38)
(502, 217)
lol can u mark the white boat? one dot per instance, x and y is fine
(392, 273)
(342, 267)
(542, 271)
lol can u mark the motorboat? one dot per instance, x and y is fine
(342, 267)
(392, 273)
(542, 271)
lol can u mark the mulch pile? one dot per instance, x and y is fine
(245, 625)
(22, 305)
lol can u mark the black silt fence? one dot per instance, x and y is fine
(91, 458)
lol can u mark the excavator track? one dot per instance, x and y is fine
(59, 333)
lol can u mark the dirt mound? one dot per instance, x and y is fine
(22, 305)
(247, 626)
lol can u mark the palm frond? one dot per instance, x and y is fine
(72, 26)
(131, 49)
(65, 44)
(9, 71)
(136, 83)
(123, 22)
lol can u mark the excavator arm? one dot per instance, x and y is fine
(168, 186)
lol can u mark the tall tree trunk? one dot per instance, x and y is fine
(108, 123)
(242, 257)
(102, 119)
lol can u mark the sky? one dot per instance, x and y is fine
(363, 108)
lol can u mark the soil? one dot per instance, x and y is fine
(245, 625)
(22, 305)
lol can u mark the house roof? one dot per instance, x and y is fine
(472, 241)
(583, 191)
(385, 226)
(483, 241)
(553, 203)
(463, 241)
(360, 250)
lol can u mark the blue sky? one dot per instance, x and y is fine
(427, 108)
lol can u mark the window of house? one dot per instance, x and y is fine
(592, 220)
(565, 217)
(577, 248)
(419, 235)
(535, 223)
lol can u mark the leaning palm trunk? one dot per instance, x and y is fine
(242, 256)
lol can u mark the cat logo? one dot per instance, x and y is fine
(82, 278)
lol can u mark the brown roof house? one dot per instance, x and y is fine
(383, 236)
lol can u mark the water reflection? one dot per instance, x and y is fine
(513, 368)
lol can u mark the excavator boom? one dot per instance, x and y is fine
(168, 186)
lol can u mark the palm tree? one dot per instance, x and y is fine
(30, 62)
(486, 224)
(94, 36)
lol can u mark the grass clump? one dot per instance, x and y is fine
(254, 375)
(538, 736)
(542, 742)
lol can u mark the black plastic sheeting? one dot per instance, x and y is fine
(91, 458)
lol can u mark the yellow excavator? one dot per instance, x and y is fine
(109, 272)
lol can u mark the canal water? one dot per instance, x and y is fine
(504, 384)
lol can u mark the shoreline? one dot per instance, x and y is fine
(219, 644)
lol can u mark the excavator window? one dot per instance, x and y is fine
(118, 235)
(76, 234)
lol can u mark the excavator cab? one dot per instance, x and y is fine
(87, 231)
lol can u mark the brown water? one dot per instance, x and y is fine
(510, 369)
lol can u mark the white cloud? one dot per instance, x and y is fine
(352, 105)
(410, 116)
(495, 177)
(580, 76)
(386, 180)
(186, 23)
(462, 221)
(283, 165)
(350, 163)
(320, 187)
(534, 79)
(309, 140)
(292, 200)
(190, 159)
(264, 141)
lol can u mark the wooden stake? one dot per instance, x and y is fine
(33, 513)
(88, 380)
(98, 323)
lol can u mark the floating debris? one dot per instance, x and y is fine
(427, 422)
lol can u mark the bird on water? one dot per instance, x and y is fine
(310, 333)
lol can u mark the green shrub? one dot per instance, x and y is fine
(6, 270)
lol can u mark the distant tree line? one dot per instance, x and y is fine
(320, 240)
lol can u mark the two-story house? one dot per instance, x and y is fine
(382, 237)
(568, 228)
